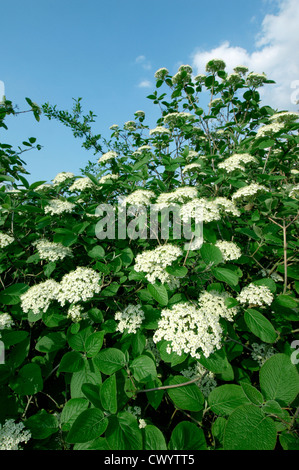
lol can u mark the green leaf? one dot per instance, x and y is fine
(51, 342)
(159, 293)
(279, 379)
(218, 428)
(108, 394)
(273, 408)
(11, 295)
(78, 340)
(144, 369)
(178, 271)
(252, 393)
(247, 428)
(187, 436)
(28, 380)
(89, 374)
(94, 343)
(260, 326)
(217, 363)
(211, 254)
(71, 410)
(89, 425)
(224, 399)
(110, 360)
(173, 357)
(13, 337)
(42, 425)
(123, 432)
(71, 362)
(153, 438)
(187, 397)
(225, 275)
(97, 252)
(92, 393)
(287, 301)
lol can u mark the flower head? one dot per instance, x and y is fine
(12, 434)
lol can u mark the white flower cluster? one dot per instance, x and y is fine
(139, 113)
(6, 322)
(154, 262)
(44, 187)
(242, 69)
(248, 191)
(189, 329)
(193, 154)
(161, 73)
(180, 76)
(201, 210)
(256, 79)
(269, 129)
(226, 206)
(51, 251)
(206, 379)
(229, 250)
(215, 65)
(285, 116)
(109, 177)
(262, 352)
(255, 295)
(130, 126)
(175, 118)
(129, 319)
(140, 197)
(191, 167)
(78, 285)
(159, 130)
(62, 177)
(12, 434)
(81, 184)
(38, 297)
(107, 156)
(195, 329)
(236, 162)
(234, 78)
(215, 102)
(179, 195)
(294, 193)
(200, 77)
(5, 239)
(76, 313)
(214, 303)
(57, 206)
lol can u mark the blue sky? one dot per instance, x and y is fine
(107, 53)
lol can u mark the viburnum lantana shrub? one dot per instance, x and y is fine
(151, 303)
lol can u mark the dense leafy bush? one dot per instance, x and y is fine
(129, 339)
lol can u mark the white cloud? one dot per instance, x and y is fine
(141, 59)
(276, 54)
(145, 84)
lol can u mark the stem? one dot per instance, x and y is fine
(165, 387)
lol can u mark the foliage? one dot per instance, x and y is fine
(88, 364)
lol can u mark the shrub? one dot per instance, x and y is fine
(122, 333)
